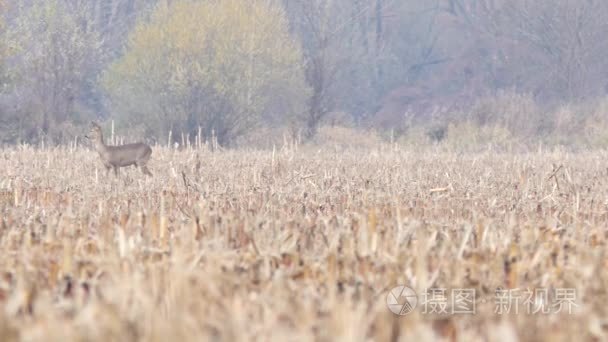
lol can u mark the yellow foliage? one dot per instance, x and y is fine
(225, 53)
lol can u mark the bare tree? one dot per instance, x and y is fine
(56, 62)
(554, 49)
(345, 49)
(313, 22)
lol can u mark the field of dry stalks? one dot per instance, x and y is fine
(302, 245)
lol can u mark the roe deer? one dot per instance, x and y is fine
(114, 157)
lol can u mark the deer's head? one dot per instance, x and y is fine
(95, 133)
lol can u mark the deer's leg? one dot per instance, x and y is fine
(107, 170)
(116, 171)
(141, 164)
(144, 169)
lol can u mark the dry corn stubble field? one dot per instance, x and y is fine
(298, 245)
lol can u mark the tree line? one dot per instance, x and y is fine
(226, 67)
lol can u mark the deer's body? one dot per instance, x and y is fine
(115, 157)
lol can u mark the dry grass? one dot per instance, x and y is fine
(297, 245)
